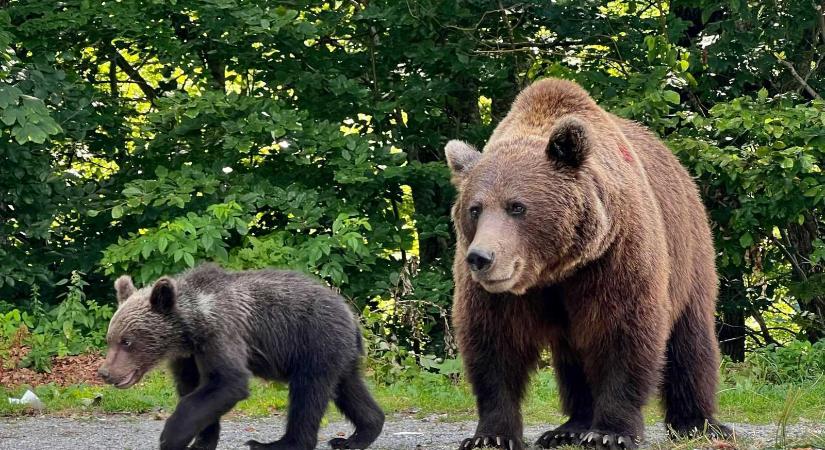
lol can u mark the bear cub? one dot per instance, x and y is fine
(219, 328)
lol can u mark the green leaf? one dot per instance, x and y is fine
(146, 251)
(189, 259)
(12, 115)
(8, 95)
(117, 212)
(162, 243)
(746, 240)
(132, 191)
(671, 97)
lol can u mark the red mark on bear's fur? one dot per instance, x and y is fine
(625, 153)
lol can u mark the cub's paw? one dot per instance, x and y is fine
(489, 441)
(202, 446)
(710, 428)
(277, 445)
(560, 437)
(348, 443)
(610, 441)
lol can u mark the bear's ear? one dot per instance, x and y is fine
(124, 288)
(569, 142)
(162, 298)
(461, 157)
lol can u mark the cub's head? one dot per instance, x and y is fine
(144, 329)
(530, 209)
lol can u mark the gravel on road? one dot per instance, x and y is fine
(400, 433)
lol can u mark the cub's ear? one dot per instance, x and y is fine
(569, 143)
(124, 288)
(162, 299)
(461, 157)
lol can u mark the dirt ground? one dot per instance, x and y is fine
(142, 432)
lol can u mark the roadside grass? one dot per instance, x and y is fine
(742, 401)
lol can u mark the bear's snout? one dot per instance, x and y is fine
(480, 259)
(103, 373)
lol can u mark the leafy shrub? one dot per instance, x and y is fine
(76, 325)
(797, 361)
(393, 359)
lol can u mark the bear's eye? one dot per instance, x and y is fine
(126, 342)
(475, 212)
(516, 209)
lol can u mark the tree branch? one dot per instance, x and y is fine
(134, 75)
(511, 34)
(517, 46)
(801, 80)
(791, 258)
(113, 77)
(821, 19)
(217, 68)
(766, 333)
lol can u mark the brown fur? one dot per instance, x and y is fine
(611, 265)
(218, 328)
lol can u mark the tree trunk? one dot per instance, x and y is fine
(800, 239)
(732, 334)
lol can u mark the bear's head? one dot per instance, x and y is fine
(530, 209)
(144, 330)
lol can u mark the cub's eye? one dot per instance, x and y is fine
(126, 343)
(475, 212)
(516, 209)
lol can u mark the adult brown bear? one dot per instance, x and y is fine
(581, 232)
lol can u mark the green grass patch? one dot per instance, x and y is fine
(427, 395)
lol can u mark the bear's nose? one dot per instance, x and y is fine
(103, 372)
(479, 259)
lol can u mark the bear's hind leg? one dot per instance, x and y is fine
(691, 377)
(353, 399)
(576, 399)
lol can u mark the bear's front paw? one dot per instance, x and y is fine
(276, 445)
(610, 441)
(490, 441)
(560, 437)
(169, 441)
(351, 442)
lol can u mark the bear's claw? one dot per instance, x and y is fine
(610, 441)
(502, 442)
(559, 438)
(709, 428)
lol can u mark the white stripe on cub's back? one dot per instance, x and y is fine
(205, 303)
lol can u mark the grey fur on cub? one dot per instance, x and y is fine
(219, 328)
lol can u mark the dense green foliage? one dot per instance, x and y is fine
(142, 136)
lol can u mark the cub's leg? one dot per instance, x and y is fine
(353, 399)
(691, 376)
(185, 373)
(222, 385)
(576, 399)
(499, 352)
(309, 394)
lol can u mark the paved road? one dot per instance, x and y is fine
(142, 432)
